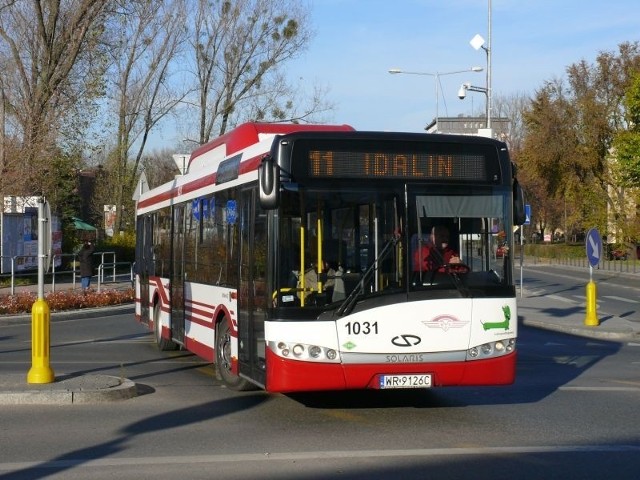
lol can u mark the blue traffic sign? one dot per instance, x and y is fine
(527, 214)
(594, 247)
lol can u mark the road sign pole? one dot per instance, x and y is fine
(40, 371)
(594, 253)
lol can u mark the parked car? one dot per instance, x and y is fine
(617, 252)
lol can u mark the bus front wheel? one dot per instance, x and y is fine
(223, 358)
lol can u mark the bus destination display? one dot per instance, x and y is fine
(357, 164)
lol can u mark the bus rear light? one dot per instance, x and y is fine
(492, 349)
(301, 351)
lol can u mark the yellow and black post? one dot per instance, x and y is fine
(593, 242)
(40, 371)
(591, 318)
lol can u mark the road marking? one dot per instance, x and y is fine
(600, 389)
(621, 299)
(314, 455)
(561, 299)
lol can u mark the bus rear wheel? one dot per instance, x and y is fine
(223, 359)
(163, 344)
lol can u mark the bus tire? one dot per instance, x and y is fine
(223, 359)
(163, 344)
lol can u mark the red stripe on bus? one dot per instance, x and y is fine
(285, 375)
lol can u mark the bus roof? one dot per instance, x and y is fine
(248, 134)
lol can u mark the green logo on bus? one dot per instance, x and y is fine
(506, 310)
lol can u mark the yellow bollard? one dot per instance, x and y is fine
(40, 371)
(591, 319)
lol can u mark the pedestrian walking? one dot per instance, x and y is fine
(85, 255)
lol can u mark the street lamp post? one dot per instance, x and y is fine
(436, 76)
(478, 42)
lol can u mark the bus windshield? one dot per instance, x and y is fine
(346, 245)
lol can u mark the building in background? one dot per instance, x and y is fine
(462, 125)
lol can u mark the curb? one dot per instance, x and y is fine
(67, 390)
(121, 309)
(587, 332)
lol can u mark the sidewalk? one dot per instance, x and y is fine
(542, 312)
(66, 388)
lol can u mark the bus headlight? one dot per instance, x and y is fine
(315, 351)
(491, 349)
(301, 351)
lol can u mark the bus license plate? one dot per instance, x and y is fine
(418, 380)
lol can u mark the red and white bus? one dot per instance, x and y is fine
(285, 256)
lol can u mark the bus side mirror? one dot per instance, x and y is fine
(519, 214)
(269, 183)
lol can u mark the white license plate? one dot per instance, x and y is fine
(418, 380)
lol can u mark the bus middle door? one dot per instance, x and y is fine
(177, 275)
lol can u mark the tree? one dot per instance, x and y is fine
(627, 141)
(51, 70)
(150, 35)
(513, 108)
(159, 167)
(625, 162)
(239, 48)
(570, 131)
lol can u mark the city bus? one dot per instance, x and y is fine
(285, 256)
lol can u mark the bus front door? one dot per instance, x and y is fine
(251, 296)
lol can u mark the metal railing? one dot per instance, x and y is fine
(114, 277)
(106, 269)
(631, 266)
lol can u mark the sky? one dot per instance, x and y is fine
(356, 42)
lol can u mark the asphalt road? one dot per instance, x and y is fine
(570, 415)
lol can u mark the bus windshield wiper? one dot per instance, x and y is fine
(358, 290)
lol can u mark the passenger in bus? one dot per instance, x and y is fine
(436, 253)
(312, 278)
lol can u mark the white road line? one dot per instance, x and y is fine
(600, 389)
(314, 455)
(559, 298)
(621, 299)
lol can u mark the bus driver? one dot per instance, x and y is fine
(434, 255)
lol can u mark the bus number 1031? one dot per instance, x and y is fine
(362, 328)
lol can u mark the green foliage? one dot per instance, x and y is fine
(124, 245)
(571, 126)
(555, 250)
(627, 142)
(627, 148)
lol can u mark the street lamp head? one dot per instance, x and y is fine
(395, 70)
(476, 69)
